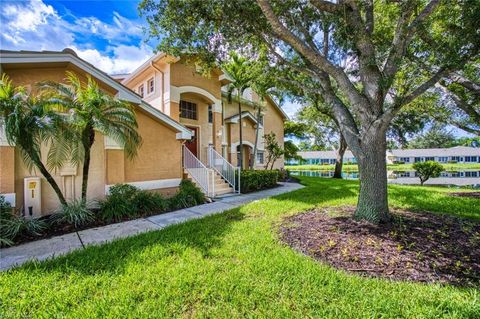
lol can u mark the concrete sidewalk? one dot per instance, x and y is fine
(59, 245)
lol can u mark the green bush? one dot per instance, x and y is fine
(12, 225)
(129, 201)
(76, 213)
(452, 162)
(283, 175)
(254, 180)
(187, 196)
(428, 169)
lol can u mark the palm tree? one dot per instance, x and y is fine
(89, 109)
(29, 123)
(261, 85)
(241, 76)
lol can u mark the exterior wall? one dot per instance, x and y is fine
(206, 134)
(157, 164)
(159, 156)
(156, 97)
(273, 122)
(70, 183)
(7, 169)
(182, 74)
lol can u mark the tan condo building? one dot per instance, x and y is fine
(188, 127)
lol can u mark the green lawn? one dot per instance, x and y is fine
(392, 167)
(233, 266)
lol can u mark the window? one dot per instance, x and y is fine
(443, 159)
(418, 159)
(210, 114)
(429, 158)
(141, 90)
(188, 110)
(260, 157)
(150, 86)
(260, 120)
(405, 159)
(471, 159)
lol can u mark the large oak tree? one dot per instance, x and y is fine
(395, 51)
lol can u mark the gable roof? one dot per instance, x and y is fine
(245, 114)
(254, 104)
(452, 151)
(69, 56)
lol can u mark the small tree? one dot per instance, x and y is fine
(274, 151)
(427, 169)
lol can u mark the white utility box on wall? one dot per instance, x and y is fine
(32, 197)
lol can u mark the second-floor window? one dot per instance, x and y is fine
(188, 110)
(261, 119)
(260, 157)
(141, 90)
(210, 114)
(150, 86)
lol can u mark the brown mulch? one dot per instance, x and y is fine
(421, 247)
(466, 194)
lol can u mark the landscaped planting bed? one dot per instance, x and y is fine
(421, 247)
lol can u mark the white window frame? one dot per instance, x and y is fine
(141, 90)
(263, 158)
(151, 80)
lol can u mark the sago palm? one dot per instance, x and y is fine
(241, 76)
(90, 109)
(29, 123)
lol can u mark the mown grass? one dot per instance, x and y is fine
(232, 265)
(391, 167)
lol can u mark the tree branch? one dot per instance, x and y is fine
(325, 6)
(319, 61)
(404, 34)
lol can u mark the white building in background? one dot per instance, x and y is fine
(457, 154)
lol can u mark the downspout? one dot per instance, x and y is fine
(163, 85)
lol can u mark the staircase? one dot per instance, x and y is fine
(214, 180)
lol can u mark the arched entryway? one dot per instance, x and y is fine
(247, 156)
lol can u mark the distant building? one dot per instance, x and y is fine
(457, 154)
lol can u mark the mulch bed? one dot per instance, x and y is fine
(466, 194)
(421, 247)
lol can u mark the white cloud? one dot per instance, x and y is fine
(33, 25)
(124, 58)
(291, 108)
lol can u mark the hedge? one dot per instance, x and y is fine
(255, 180)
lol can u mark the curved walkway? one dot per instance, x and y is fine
(59, 245)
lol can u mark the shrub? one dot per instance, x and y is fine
(187, 196)
(129, 201)
(254, 180)
(428, 169)
(283, 175)
(76, 213)
(12, 225)
(452, 162)
(148, 202)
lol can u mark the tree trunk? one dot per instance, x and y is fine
(240, 132)
(373, 198)
(339, 159)
(50, 180)
(88, 138)
(255, 147)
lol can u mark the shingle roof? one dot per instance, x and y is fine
(453, 151)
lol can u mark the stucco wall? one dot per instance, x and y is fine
(7, 169)
(159, 156)
(205, 129)
(182, 74)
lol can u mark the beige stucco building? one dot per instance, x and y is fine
(188, 129)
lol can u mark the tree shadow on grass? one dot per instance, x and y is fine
(201, 234)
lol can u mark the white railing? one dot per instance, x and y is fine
(224, 168)
(204, 177)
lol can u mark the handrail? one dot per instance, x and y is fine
(199, 172)
(223, 167)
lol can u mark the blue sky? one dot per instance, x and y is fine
(109, 34)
